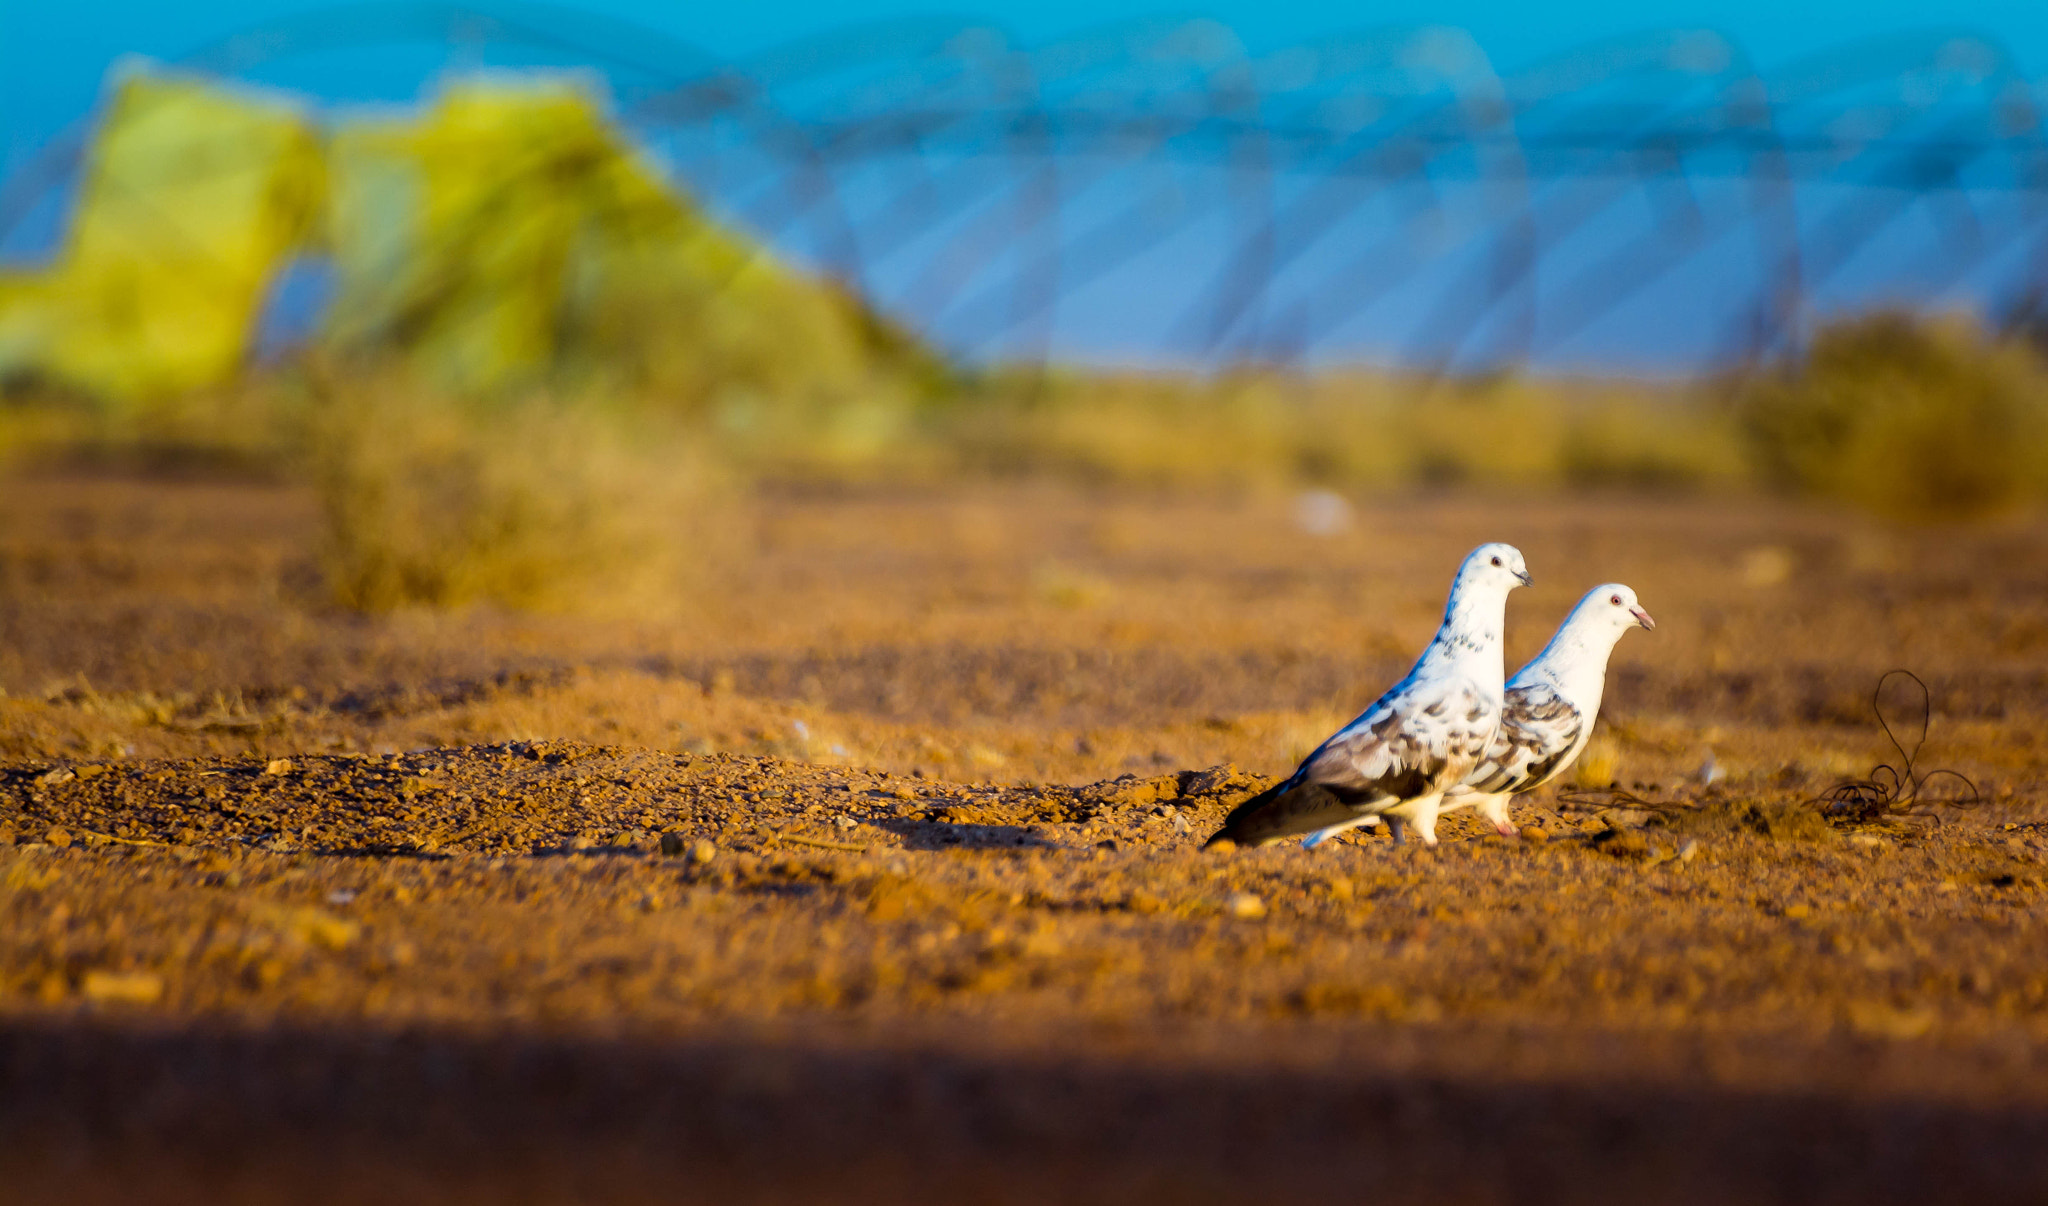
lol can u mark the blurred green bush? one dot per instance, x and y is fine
(1908, 417)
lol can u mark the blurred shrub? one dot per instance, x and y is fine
(1356, 429)
(432, 500)
(1651, 444)
(1907, 417)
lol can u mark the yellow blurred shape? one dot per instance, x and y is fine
(127, 988)
(190, 199)
(512, 230)
(507, 231)
(1767, 565)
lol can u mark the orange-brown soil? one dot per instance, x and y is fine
(867, 868)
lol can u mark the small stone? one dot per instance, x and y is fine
(1687, 851)
(58, 837)
(702, 851)
(1535, 833)
(1869, 841)
(1246, 906)
(1221, 846)
(672, 844)
(1798, 912)
(123, 988)
(278, 766)
(1217, 778)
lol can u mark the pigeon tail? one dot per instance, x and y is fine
(1283, 811)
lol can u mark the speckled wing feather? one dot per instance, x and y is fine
(1538, 732)
(1419, 738)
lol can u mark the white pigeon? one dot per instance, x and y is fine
(1550, 706)
(1418, 740)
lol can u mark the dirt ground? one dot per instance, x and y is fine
(867, 867)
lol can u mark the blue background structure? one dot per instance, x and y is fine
(1571, 186)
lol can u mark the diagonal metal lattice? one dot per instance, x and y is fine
(1157, 194)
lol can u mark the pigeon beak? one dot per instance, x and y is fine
(1524, 576)
(1643, 618)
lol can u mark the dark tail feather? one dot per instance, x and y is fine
(1284, 811)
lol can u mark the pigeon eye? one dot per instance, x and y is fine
(1614, 599)
(1496, 561)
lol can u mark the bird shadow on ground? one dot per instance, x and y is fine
(939, 835)
(376, 853)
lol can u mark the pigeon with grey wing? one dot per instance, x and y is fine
(1418, 740)
(1550, 705)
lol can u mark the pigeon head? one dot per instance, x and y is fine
(1601, 617)
(1576, 658)
(1479, 595)
(1614, 607)
(1493, 567)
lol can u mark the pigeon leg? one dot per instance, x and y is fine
(1495, 809)
(1398, 829)
(1422, 813)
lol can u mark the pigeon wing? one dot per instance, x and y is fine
(1539, 732)
(1409, 744)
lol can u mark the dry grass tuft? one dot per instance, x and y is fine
(431, 500)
